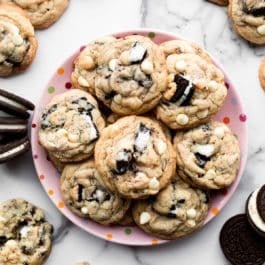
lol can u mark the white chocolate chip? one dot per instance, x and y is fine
(141, 176)
(213, 85)
(113, 64)
(180, 65)
(203, 114)
(203, 149)
(100, 195)
(147, 67)
(11, 243)
(24, 231)
(182, 119)
(191, 223)
(82, 81)
(161, 146)
(154, 184)
(261, 29)
(191, 213)
(144, 218)
(210, 174)
(219, 132)
(86, 62)
(84, 210)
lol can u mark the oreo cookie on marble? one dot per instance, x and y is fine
(15, 105)
(13, 125)
(240, 243)
(255, 216)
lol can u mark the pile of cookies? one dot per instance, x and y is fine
(242, 237)
(18, 44)
(135, 140)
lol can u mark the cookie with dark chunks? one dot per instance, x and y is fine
(86, 195)
(25, 235)
(253, 215)
(18, 44)
(12, 149)
(240, 243)
(13, 125)
(135, 157)
(261, 202)
(15, 105)
(219, 2)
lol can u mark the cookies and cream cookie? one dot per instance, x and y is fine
(42, 13)
(86, 195)
(175, 212)
(131, 75)
(18, 44)
(207, 156)
(70, 125)
(25, 236)
(135, 157)
(248, 17)
(195, 92)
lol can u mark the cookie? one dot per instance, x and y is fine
(85, 194)
(134, 157)
(207, 156)
(177, 211)
(13, 125)
(70, 125)
(253, 215)
(42, 13)
(18, 44)
(25, 235)
(10, 150)
(219, 2)
(240, 244)
(261, 202)
(195, 92)
(85, 65)
(248, 17)
(262, 73)
(131, 75)
(15, 105)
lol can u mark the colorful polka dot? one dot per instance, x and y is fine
(224, 192)
(51, 89)
(215, 211)
(68, 85)
(42, 177)
(34, 125)
(60, 71)
(227, 85)
(127, 231)
(234, 101)
(109, 236)
(151, 35)
(60, 205)
(48, 158)
(154, 242)
(35, 156)
(226, 120)
(82, 48)
(243, 117)
(50, 192)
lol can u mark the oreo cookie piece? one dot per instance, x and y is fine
(13, 148)
(261, 202)
(13, 125)
(240, 243)
(15, 105)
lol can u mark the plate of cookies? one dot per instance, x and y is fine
(140, 137)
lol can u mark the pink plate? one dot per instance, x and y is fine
(232, 114)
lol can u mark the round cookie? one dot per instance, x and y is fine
(131, 75)
(135, 157)
(248, 17)
(261, 202)
(18, 44)
(195, 92)
(207, 156)
(262, 73)
(253, 215)
(240, 244)
(42, 13)
(85, 65)
(70, 125)
(219, 2)
(177, 211)
(86, 195)
(25, 236)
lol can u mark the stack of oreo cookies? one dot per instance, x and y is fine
(242, 237)
(13, 125)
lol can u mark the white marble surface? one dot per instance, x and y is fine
(194, 19)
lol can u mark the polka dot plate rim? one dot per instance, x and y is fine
(232, 114)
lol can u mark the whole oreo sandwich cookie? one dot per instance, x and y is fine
(254, 208)
(13, 125)
(15, 105)
(240, 243)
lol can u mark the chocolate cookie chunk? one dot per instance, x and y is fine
(240, 243)
(261, 202)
